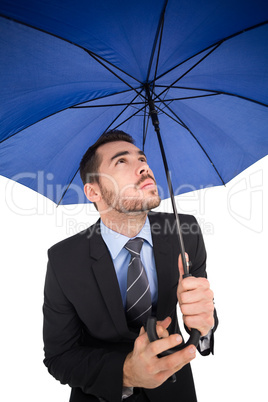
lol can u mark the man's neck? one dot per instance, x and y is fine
(126, 224)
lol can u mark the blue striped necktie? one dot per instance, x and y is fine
(139, 303)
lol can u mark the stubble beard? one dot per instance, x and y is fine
(130, 205)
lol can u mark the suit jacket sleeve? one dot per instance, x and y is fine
(95, 369)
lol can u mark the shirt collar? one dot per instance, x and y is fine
(116, 241)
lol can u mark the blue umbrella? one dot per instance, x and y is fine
(72, 70)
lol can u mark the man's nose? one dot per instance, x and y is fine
(144, 169)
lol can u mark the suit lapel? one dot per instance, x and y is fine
(164, 262)
(106, 278)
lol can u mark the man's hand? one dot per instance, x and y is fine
(142, 367)
(196, 301)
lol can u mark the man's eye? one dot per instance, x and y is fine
(120, 161)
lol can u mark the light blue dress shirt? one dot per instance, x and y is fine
(121, 257)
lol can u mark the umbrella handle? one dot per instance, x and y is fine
(152, 335)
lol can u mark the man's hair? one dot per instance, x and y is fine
(91, 161)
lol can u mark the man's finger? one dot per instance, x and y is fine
(193, 283)
(162, 332)
(178, 359)
(165, 323)
(161, 327)
(159, 346)
(142, 331)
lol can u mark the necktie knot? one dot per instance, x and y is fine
(133, 246)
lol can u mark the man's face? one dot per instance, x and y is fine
(126, 182)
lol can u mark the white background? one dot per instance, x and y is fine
(235, 227)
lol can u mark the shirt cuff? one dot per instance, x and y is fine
(126, 392)
(204, 342)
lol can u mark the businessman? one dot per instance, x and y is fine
(103, 283)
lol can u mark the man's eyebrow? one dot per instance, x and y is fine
(119, 154)
(122, 153)
(142, 153)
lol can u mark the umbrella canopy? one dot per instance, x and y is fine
(72, 70)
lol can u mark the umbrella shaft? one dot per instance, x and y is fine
(184, 263)
(155, 121)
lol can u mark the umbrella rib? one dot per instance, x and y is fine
(110, 105)
(166, 106)
(139, 103)
(217, 92)
(185, 97)
(129, 104)
(159, 30)
(77, 105)
(99, 60)
(214, 44)
(59, 111)
(130, 117)
(111, 64)
(68, 41)
(239, 96)
(158, 54)
(171, 117)
(198, 142)
(67, 188)
(190, 69)
(242, 97)
(189, 88)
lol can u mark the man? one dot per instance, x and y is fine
(90, 341)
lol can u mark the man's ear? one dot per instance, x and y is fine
(92, 192)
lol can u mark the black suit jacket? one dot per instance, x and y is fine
(86, 336)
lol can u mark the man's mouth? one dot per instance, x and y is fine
(146, 183)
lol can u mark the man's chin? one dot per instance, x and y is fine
(135, 206)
